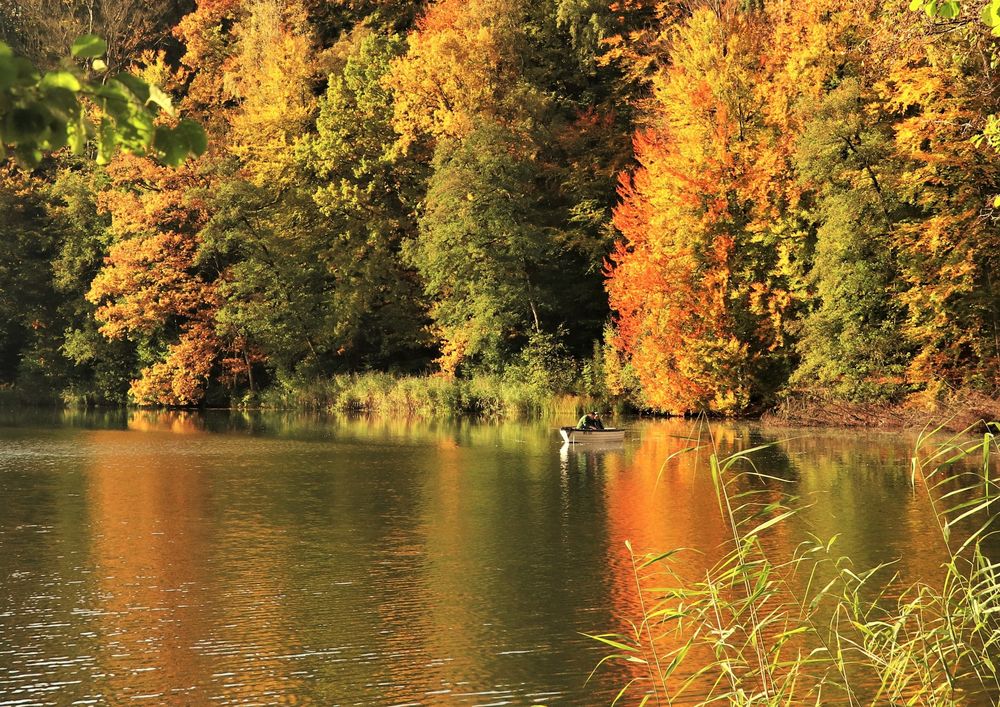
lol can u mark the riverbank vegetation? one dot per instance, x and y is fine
(424, 396)
(814, 628)
(487, 204)
(959, 411)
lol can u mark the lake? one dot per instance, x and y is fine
(229, 558)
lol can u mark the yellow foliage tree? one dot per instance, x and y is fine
(461, 63)
(950, 245)
(271, 74)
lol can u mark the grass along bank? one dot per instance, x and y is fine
(424, 396)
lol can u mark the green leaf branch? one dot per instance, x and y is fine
(952, 9)
(44, 112)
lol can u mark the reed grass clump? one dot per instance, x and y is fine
(422, 396)
(812, 629)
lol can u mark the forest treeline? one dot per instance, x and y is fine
(703, 205)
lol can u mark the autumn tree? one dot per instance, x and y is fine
(903, 270)
(270, 75)
(42, 29)
(251, 68)
(151, 289)
(461, 65)
(940, 96)
(272, 284)
(697, 283)
(207, 36)
(793, 196)
(850, 342)
(93, 368)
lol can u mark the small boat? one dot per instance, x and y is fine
(574, 435)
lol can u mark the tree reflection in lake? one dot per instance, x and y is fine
(235, 556)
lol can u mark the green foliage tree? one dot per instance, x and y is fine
(269, 254)
(369, 193)
(27, 302)
(581, 142)
(850, 342)
(54, 244)
(481, 251)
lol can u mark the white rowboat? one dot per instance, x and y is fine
(572, 435)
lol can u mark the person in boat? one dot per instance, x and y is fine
(590, 421)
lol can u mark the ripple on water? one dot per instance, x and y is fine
(370, 565)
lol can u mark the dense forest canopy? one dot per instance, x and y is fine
(685, 205)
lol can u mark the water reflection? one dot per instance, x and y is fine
(291, 559)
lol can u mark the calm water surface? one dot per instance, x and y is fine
(228, 559)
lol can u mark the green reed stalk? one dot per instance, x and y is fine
(761, 641)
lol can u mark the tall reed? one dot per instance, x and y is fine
(810, 628)
(422, 396)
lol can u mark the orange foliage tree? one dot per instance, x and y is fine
(697, 280)
(151, 287)
(208, 50)
(248, 69)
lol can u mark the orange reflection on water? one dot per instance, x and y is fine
(661, 500)
(153, 557)
(665, 500)
(173, 421)
(142, 553)
(257, 658)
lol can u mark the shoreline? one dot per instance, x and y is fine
(963, 411)
(469, 399)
